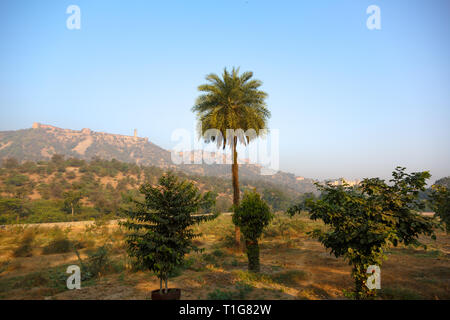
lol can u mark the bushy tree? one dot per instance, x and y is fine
(160, 226)
(440, 202)
(252, 216)
(366, 219)
(13, 209)
(72, 201)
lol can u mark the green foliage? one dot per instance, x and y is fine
(364, 220)
(99, 199)
(231, 102)
(160, 226)
(276, 198)
(231, 109)
(399, 294)
(252, 216)
(17, 180)
(240, 293)
(445, 182)
(12, 210)
(10, 163)
(99, 261)
(440, 202)
(290, 277)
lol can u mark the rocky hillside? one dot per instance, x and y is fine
(42, 141)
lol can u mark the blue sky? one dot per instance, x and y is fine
(348, 101)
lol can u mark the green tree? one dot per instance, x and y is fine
(232, 102)
(252, 216)
(10, 163)
(366, 219)
(440, 202)
(13, 209)
(276, 198)
(160, 226)
(72, 201)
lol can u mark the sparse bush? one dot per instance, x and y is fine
(99, 261)
(25, 248)
(218, 253)
(440, 201)
(252, 216)
(366, 219)
(58, 245)
(31, 280)
(160, 234)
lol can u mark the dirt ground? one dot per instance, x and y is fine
(293, 266)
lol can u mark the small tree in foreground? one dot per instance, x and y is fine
(365, 220)
(440, 202)
(252, 216)
(160, 225)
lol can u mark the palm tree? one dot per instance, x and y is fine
(232, 102)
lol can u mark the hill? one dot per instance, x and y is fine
(41, 142)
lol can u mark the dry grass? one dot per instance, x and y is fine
(292, 266)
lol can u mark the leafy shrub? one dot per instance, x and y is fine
(82, 244)
(98, 262)
(210, 259)
(252, 216)
(365, 219)
(31, 280)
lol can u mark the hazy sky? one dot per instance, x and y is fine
(348, 101)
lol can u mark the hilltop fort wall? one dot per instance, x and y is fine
(86, 131)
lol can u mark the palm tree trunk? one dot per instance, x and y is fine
(235, 177)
